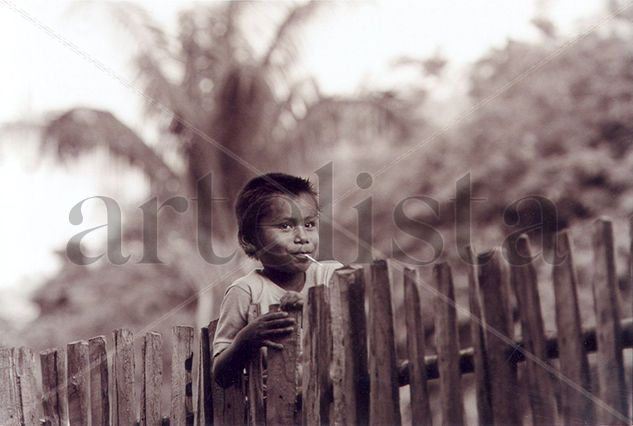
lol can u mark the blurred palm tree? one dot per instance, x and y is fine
(226, 108)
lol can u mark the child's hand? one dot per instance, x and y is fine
(291, 301)
(259, 332)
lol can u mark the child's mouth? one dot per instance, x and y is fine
(306, 257)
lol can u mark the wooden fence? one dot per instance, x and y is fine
(345, 370)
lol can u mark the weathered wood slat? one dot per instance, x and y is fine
(181, 384)
(576, 408)
(27, 387)
(384, 407)
(498, 328)
(256, 409)
(123, 401)
(446, 338)
(349, 348)
(420, 405)
(78, 369)
(337, 367)
(611, 376)
(152, 379)
(10, 412)
(482, 378)
(204, 415)
(229, 404)
(99, 382)
(318, 354)
(62, 396)
(539, 379)
(50, 389)
(281, 406)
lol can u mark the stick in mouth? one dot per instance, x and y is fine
(312, 259)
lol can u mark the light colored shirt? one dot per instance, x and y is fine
(256, 288)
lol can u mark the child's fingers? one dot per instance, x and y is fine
(277, 331)
(271, 316)
(271, 344)
(284, 322)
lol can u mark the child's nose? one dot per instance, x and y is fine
(301, 237)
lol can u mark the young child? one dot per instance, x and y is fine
(278, 224)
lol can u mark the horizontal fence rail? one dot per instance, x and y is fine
(339, 365)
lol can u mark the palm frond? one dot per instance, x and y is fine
(82, 130)
(282, 39)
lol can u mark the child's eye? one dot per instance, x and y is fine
(310, 224)
(285, 226)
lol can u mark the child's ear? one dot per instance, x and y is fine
(249, 248)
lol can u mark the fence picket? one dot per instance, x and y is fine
(318, 353)
(229, 405)
(78, 368)
(10, 413)
(420, 406)
(576, 408)
(498, 329)
(205, 403)
(539, 380)
(384, 406)
(349, 348)
(281, 404)
(256, 409)
(611, 376)
(181, 385)
(51, 410)
(99, 381)
(446, 338)
(152, 378)
(24, 370)
(477, 333)
(123, 401)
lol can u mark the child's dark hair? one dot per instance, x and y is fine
(253, 198)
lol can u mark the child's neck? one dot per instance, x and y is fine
(293, 281)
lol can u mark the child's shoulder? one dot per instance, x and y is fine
(246, 282)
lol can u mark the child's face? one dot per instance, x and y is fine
(288, 230)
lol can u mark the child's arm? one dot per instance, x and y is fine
(253, 336)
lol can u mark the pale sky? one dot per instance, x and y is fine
(351, 44)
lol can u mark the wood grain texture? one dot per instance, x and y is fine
(99, 382)
(123, 401)
(181, 383)
(349, 373)
(62, 398)
(78, 390)
(317, 357)
(539, 379)
(611, 376)
(152, 379)
(481, 368)
(498, 329)
(10, 412)
(384, 404)
(204, 414)
(281, 404)
(25, 375)
(576, 408)
(229, 404)
(446, 342)
(420, 405)
(50, 401)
